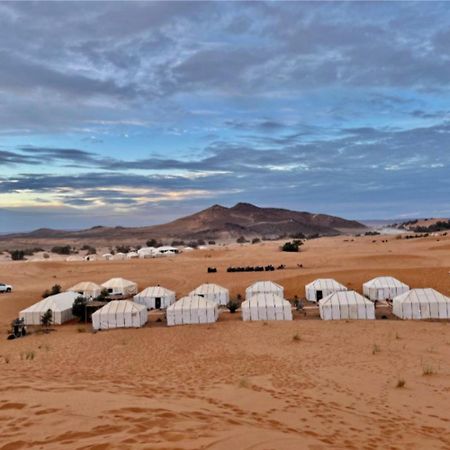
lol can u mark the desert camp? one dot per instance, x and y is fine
(224, 225)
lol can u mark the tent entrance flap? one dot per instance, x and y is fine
(319, 295)
(157, 302)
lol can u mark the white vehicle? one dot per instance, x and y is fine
(5, 288)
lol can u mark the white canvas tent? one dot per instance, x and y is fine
(119, 314)
(192, 310)
(132, 255)
(322, 287)
(119, 287)
(119, 256)
(155, 297)
(212, 292)
(87, 289)
(346, 305)
(264, 287)
(146, 252)
(74, 258)
(421, 304)
(59, 304)
(107, 256)
(384, 288)
(266, 306)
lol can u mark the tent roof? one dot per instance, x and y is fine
(155, 291)
(118, 283)
(267, 298)
(422, 296)
(85, 286)
(264, 286)
(384, 282)
(326, 283)
(121, 306)
(345, 298)
(58, 302)
(192, 302)
(209, 288)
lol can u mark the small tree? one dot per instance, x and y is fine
(62, 249)
(291, 246)
(17, 255)
(152, 243)
(241, 240)
(47, 319)
(103, 296)
(232, 306)
(79, 308)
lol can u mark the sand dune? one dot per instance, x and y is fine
(232, 384)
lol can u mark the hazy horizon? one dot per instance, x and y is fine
(131, 114)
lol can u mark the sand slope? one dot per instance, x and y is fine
(233, 384)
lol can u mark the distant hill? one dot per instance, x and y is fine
(425, 225)
(216, 222)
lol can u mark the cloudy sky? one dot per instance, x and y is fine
(137, 113)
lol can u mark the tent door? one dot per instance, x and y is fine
(157, 302)
(319, 295)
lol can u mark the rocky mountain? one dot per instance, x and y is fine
(216, 222)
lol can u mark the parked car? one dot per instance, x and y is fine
(5, 288)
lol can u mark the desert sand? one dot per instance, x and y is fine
(233, 384)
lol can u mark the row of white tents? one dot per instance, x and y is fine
(379, 288)
(264, 301)
(143, 253)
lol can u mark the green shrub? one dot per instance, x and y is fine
(62, 249)
(17, 255)
(232, 306)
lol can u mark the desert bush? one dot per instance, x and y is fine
(400, 383)
(292, 246)
(241, 240)
(17, 255)
(89, 249)
(153, 243)
(296, 337)
(123, 248)
(428, 369)
(256, 240)
(375, 349)
(56, 289)
(62, 249)
(232, 306)
(81, 329)
(103, 296)
(211, 242)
